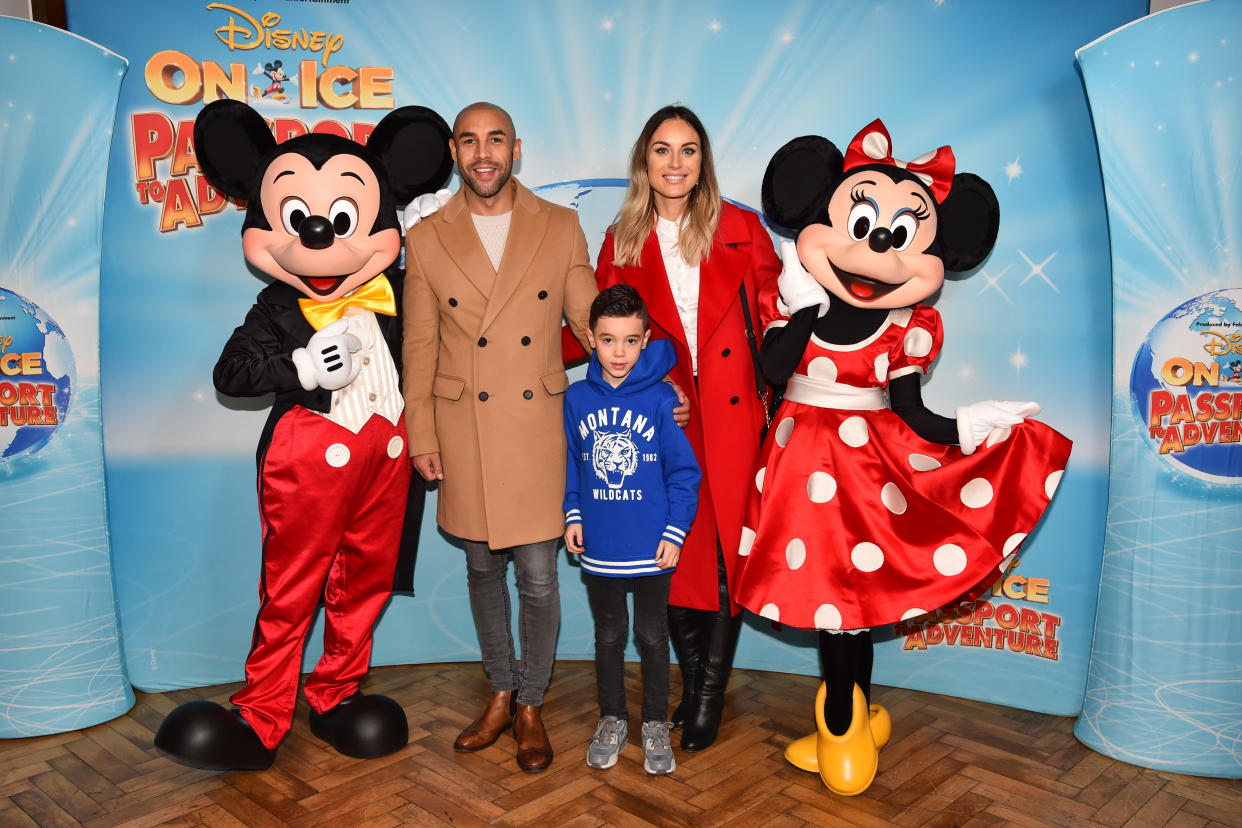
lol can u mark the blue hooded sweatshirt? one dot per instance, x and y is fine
(631, 479)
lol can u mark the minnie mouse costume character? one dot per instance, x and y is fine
(334, 473)
(868, 508)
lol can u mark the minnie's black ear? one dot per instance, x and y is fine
(969, 220)
(413, 144)
(230, 139)
(799, 180)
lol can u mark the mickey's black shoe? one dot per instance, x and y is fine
(364, 727)
(203, 734)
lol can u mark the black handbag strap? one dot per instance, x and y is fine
(760, 385)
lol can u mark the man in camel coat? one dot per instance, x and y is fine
(489, 277)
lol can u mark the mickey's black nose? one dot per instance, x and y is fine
(880, 240)
(316, 233)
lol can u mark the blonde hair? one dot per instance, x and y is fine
(637, 214)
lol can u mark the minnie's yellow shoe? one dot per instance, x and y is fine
(881, 725)
(801, 753)
(847, 763)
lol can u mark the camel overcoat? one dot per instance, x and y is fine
(484, 381)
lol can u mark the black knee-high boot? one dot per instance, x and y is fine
(846, 660)
(722, 628)
(686, 629)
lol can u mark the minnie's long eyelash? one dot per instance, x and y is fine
(923, 215)
(857, 195)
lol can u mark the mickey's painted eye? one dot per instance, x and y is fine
(344, 216)
(293, 211)
(861, 220)
(905, 225)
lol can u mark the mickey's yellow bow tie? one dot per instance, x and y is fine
(375, 295)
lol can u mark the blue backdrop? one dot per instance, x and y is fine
(60, 651)
(996, 81)
(1165, 685)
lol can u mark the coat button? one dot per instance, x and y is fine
(337, 455)
(732, 400)
(482, 341)
(527, 394)
(526, 340)
(543, 294)
(725, 352)
(482, 396)
(452, 302)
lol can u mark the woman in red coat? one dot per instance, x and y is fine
(692, 257)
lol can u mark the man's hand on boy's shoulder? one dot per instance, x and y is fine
(667, 554)
(573, 538)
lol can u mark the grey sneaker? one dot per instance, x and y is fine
(658, 748)
(610, 736)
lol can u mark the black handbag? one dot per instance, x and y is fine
(770, 397)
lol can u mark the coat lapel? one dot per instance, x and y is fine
(721, 274)
(461, 241)
(526, 231)
(651, 280)
(288, 315)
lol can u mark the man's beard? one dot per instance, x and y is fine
(498, 185)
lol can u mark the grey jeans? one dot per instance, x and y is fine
(539, 614)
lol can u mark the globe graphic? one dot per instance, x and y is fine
(596, 201)
(1181, 334)
(36, 377)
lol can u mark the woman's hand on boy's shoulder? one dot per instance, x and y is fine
(681, 412)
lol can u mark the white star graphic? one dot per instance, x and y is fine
(1018, 360)
(1038, 269)
(1013, 169)
(606, 25)
(787, 37)
(966, 371)
(1193, 57)
(714, 26)
(991, 282)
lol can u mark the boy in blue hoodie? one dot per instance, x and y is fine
(631, 491)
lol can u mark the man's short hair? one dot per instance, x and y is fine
(618, 301)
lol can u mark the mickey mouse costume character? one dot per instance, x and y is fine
(334, 473)
(867, 507)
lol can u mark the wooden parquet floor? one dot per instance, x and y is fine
(950, 763)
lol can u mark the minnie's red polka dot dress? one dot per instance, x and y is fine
(854, 520)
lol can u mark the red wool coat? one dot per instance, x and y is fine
(725, 411)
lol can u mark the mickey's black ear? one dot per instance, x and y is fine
(413, 144)
(969, 220)
(230, 139)
(799, 180)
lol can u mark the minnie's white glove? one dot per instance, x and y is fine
(325, 362)
(423, 206)
(798, 288)
(976, 421)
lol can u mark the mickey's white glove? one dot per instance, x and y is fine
(325, 362)
(423, 206)
(798, 288)
(976, 421)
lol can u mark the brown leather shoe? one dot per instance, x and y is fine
(534, 751)
(486, 729)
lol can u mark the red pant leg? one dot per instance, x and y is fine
(311, 473)
(360, 581)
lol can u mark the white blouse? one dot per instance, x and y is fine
(683, 281)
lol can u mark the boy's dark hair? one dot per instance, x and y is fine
(616, 301)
